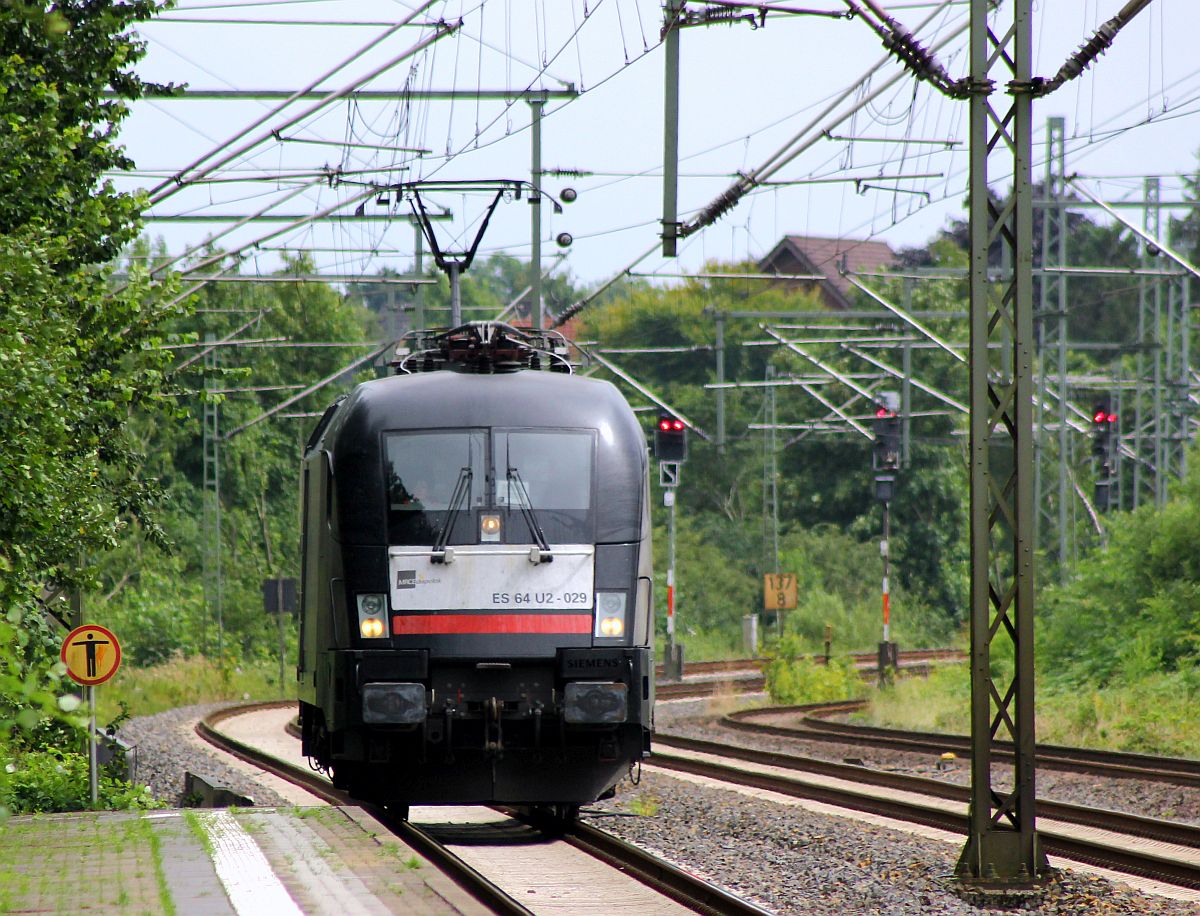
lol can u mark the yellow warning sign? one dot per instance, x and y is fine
(779, 592)
(91, 653)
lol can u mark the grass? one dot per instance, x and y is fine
(938, 703)
(185, 681)
(645, 805)
(708, 645)
(199, 832)
(1154, 715)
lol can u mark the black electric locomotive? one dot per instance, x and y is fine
(476, 612)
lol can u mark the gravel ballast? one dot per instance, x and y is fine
(166, 747)
(789, 860)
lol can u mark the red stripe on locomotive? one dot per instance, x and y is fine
(427, 624)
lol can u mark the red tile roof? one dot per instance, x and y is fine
(806, 254)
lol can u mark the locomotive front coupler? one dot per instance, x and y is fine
(493, 729)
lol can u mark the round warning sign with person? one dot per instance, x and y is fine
(91, 653)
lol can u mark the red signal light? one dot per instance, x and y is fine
(664, 424)
(1099, 416)
(1112, 418)
(677, 424)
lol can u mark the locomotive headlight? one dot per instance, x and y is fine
(489, 527)
(372, 611)
(610, 614)
(611, 626)
(371, 627)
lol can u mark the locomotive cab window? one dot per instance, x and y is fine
(535, 481)
(433, 477)
(544, 477)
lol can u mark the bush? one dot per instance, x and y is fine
(56, 780)
(839, 581)
(793, 678)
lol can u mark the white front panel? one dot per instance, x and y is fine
(498, 578)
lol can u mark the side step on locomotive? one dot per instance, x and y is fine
(477, 619)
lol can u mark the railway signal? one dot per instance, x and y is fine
(670, 438)
(1104, 426)
(886, 427)
(1104, 435)
(885, 459)
(670, 448)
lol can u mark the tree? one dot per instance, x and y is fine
(77, 354)
(825, 481)
(161, 615)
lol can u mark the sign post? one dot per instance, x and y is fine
(668, 477)
(92, 655)
(779, 595)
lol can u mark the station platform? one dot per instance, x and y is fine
(213, 862)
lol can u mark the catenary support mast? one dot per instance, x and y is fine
(1002, 844)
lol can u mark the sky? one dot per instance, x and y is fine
(746, 92)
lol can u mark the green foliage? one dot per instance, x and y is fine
(826, 507)
(57, 780)
(1134, 608)
(645, 804)
(940, 702)
(793, 677)
(839, 583)
(78, 355)
(1155, 714)
(486, 289)
(185, 680)
(159, 602)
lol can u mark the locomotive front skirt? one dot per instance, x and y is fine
(476, 613)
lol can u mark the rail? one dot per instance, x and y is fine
(812, 724)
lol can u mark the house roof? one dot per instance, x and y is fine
(804, 254)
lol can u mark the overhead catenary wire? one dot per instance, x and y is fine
(203, 166)
(807, 136)
(332, 377)
(891, 7)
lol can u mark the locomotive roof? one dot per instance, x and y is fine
(456, 399)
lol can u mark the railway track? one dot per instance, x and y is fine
(745, 675)
(434, 841)
(812, 723)
(1160, 850)
(721, 666)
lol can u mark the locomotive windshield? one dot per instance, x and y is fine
(422, 472)
(546, 474)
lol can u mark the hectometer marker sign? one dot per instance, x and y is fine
(91, 653)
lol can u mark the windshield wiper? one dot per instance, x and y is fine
(461, 489)
(540, 554)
